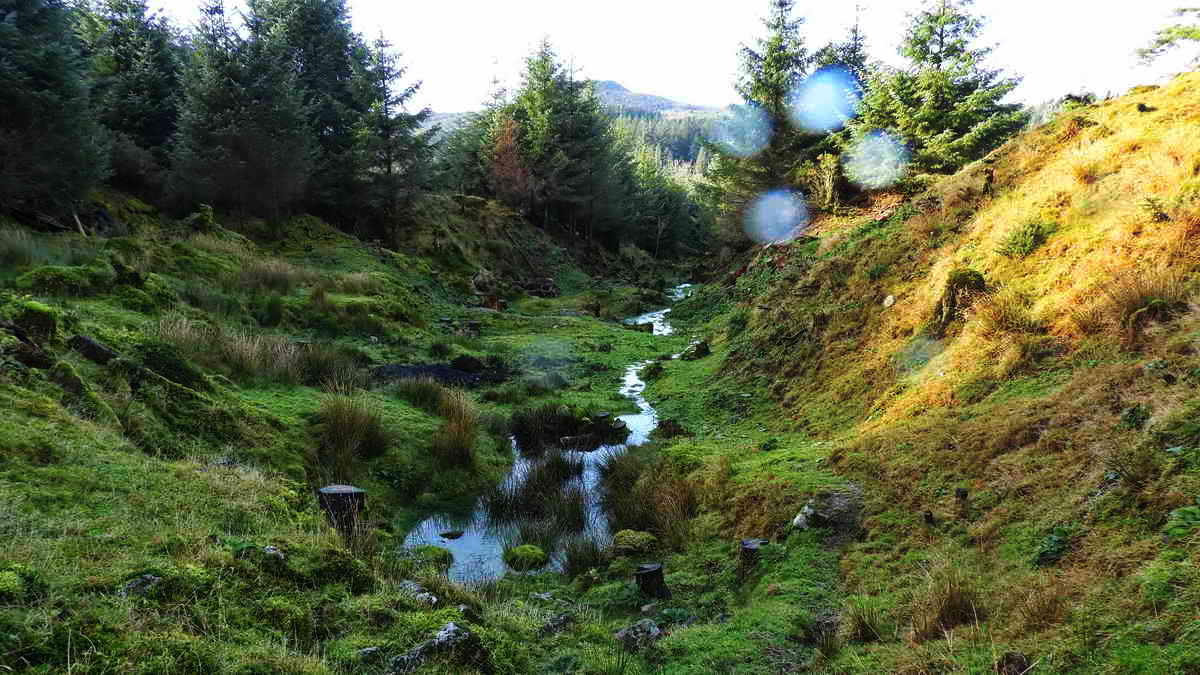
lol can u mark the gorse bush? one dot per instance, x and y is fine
(1026, 239)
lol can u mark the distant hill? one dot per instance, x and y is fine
(614, 96)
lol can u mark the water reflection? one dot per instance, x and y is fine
(479, 549)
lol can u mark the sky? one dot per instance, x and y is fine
(686, 50)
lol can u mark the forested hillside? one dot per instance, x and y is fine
(877, 371)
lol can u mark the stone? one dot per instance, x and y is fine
(274, 552)
(547, 596)
(640, 635)
(450, 639)
(140, 586)
(889, 301)
(649, 609)
(1012, 663)
(418, 592)
(452, 534)
(369, 653)
(697, 350)
(92, 350)
(556, 625)
(840, 511)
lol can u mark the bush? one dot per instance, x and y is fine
(351, 428)
(1026, 239)
(525, 558)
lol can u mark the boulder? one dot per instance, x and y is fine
(640, 635)
(556, 625)
(1012, 663)
(698, 350)
(451, 639)
(140, 586)
(418, 592)
(840, 511)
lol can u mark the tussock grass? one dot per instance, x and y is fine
(274, 275)
(942, 597)
(454, 443)
(360, 283)
(424, 393)
(352, 428)
(220, 246)
(1136, 298)
(1005, 311)
(649, 496)
(1025, 239)
(863, 619)
(581, 554)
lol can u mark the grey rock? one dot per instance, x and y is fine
(697, 350)
(450, 639)
(556, 625)
(840, 511)
(640, 635)
(545, 597)
(140, 586)
(418, 592)
(274, 552)
(369, 653)
(889, 301)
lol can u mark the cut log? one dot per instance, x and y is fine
(650, 581)
(748, 552)
(343, 504)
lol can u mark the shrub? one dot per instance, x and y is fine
(942, 598)
(632, 542)
(351, 428)
(525, 558)
(1025, 239)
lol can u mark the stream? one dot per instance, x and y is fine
(478, 541)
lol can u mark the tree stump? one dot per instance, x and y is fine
(343, 504)
(748, 552)
(960, 495)
(650, 580)
(91, 350)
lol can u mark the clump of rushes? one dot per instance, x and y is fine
(454, 443)
(352, 428)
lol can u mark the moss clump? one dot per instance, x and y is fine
(78, 396)
(65, 280)
(525, 558)
(39, 320)
(632, 542)
(165, 359)
(433, 555)
(12, 586)
(960, 285)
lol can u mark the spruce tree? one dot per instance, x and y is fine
(51, 148)
(136, 64)
(946, 106)
(771, 71)
(393, 152)
(326, 52)
(243, 140)
(1174, 36)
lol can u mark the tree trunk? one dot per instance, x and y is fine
(650, 580)
(343, 504)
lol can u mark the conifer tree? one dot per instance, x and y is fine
(393, 152)
(1174, 36)
(325, 50)
(136, 63)
(243, 140)
(946, 106)
(51, 148)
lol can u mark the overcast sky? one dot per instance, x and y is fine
(686, 50)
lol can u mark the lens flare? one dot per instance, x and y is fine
(777, 216)
(826, 100)
(876, 161)
(744, 133)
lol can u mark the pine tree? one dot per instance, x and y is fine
(136, 64)
(946, 106)
(1174, 36)
(393, 151)
(51, 148)
(243, 140)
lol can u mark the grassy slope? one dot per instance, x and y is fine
(1071, 424)
(103, 480)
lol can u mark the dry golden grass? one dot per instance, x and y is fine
(1005, 311)
(943, 598)
(1136, 297)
